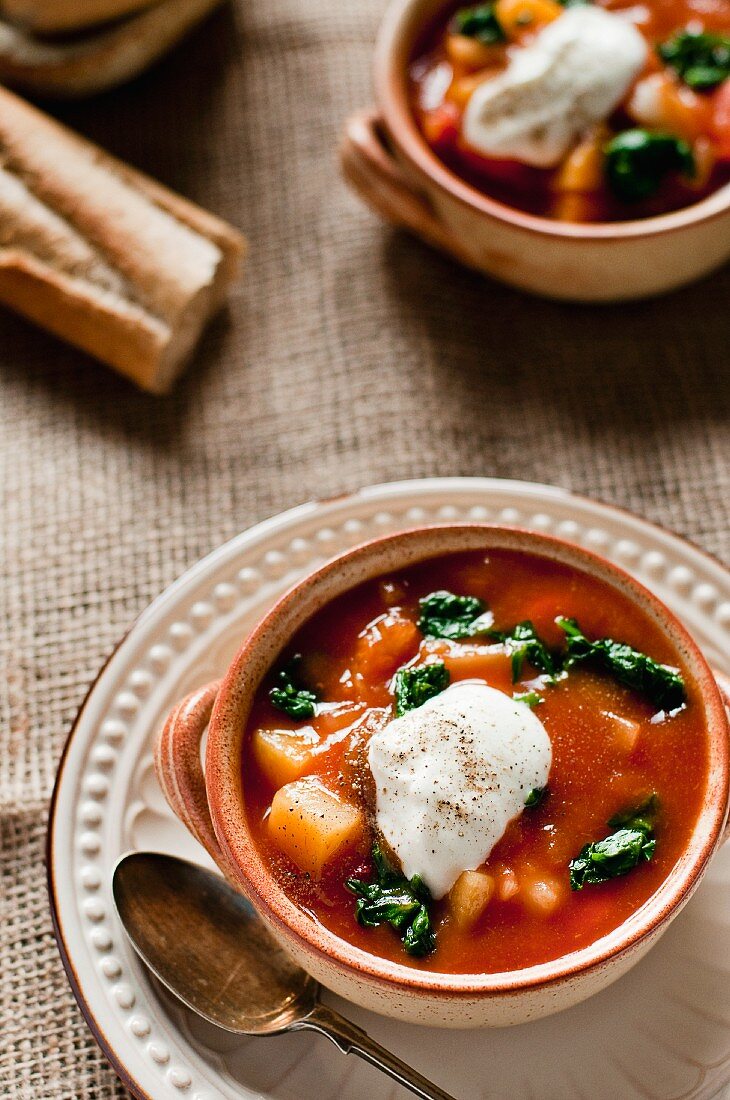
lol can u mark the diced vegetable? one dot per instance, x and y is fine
(385, 644)
(618, 853)
(478, 22)
(529, 698)
(441, 126)
(398, 901)
(659, 103)
(467, 660)
(469, 54)
(289, 696)
(705, 159)
(625, 731)
(574, 206)
(516, 16)
(662, 685)
(638, 817)
(412, 687)
(541, 894)
(445, 615)
(507, 884)
(582, 169)
(637, 161)
(310, 824)
(536, 797)
(469, 897)
(284, 755)
(701, 59)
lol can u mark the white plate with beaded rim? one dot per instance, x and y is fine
(660, 1033)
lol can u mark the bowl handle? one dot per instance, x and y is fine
(179, 770)
(368, 164)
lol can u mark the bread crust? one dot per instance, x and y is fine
(102, 255)
(61, 16)
(104, 58)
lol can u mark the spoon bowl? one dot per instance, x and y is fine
(205, 943)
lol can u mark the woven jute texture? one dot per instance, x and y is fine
(349, 354)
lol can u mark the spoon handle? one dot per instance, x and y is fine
(351, 1039)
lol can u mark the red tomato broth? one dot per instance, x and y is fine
(592, 776)
(533, 189)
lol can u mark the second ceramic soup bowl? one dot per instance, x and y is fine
(389, 163)
(210, 800)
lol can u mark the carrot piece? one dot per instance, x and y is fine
(582, 169)
(468, 54)
(519, 18)
(573, 206)
(659, 102)
(284, 755)
(384, 644)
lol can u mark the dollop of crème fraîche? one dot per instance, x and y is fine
(451, 775)
(571, 76)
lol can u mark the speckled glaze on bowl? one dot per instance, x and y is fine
(387, 161)
(210, 803)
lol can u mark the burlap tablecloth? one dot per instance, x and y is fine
(350, 354)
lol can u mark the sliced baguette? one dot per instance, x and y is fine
(102, 255)
(62, 16)
(93, 62)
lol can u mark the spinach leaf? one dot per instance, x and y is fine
(531, 698)
(536, 797)
(701, 59)
(289, 696)
(524, 645)
(620, 851)
(400, 902)
(444, 615)
(413, 687)
(639, 817)
(662, 685)
(638, 160)
(478, 22)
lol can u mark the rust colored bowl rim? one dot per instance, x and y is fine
(229, 720)
(392, 97)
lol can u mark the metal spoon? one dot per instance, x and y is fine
(206, 944)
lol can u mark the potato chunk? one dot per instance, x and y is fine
(384, 644)
(284, 755)
(626, 733)
(542, 894)
(311, 825)
(469, 897)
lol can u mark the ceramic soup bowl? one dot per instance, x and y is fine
(388, 162)
(210, 801)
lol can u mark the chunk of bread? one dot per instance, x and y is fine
(311, 825)
(54, 16)
(100, 59)
(101, 254)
